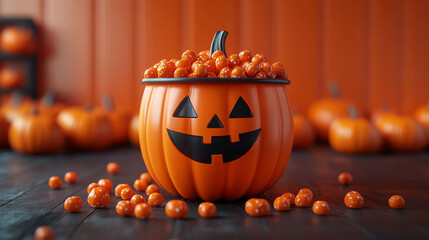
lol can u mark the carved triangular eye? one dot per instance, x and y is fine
(185, 109)
(241, 110)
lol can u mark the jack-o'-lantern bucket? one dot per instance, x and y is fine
(215, 138)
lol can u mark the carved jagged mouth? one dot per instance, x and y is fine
(193, 147)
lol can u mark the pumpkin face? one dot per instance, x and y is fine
(86, 129)
(133, 131)
(35, 134)
(4, 129)
(422, 116)
(402, 134)
(215, 140)
(303, 132)
(354, 135)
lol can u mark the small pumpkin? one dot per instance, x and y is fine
(10, 77)
(15, 106)
(36, 133)
(119, 120)
(49, 105)
(86, 129)
(15, 40)
(324, 111)
(4, 130)
(133, 132)
(303, 132)
(422, 116)
(402, 133)
(383, 111)
(354, 135)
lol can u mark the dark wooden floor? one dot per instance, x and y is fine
(26, 201)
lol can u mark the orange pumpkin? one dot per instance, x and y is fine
(354, 135)
(15, 106)
(215, 138)
(119, 120)
(303, 132)
(422, 116)
(402, 133)
(133, 133)
(10, 78)
(86, 129)
(4, 129)
(35, 133)
(14, 40)
(324, 111)
(48, 105)
(383, 111)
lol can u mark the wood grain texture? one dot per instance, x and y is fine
(26, 201)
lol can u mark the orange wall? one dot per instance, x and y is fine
(375, 49)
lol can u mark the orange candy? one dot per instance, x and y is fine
(91, 186)
(176, 209)
(257, 59)
(200, 70)
(99, 197)
(165, 72)
(73, 204)
(268, 69)
(190, 56)
(307, 191)
(152, 189)
(225, 72)
(238, 72)
(345, 178)
(353, 199)
(234, 60)
(127, 193)
(221, 62)
(143, 210)
(113, 168)
(70, 177)
(203, 56)
(251, 69)
(396, 202)
(207, 209)
(44, 233)
(281, 204)
(279, 70)
(151, 73)
(211, 75)
(146, 176)
(182, 63)
(302, 200)
(124, 208)
(119, 189)
(136, 199)
(155, 199)
(245, 56)
(261, 75)
(140, 185)
(321, 208)
(105, 183)
(289, 196)
(217, 54)
(180, 73)
(211, 66)
(257, 207)
(55, 182)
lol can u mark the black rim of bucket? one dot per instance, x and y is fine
(216, 80)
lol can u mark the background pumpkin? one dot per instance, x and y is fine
(402, 133)
(86, 129)
(303, 132)
(422, 116)
(324, 111)
(133, 132)
(4, 130)
(16, 40)
(35, 133)
(383, 111)
(16, 105)
(119, 120)
(254, 172)
(354, 135)
(10, 77)
(48, 105)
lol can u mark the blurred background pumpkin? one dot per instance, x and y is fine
(16, 40)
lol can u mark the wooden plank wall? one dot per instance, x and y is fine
(375, 49)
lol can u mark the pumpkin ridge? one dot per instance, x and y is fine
(191, 91)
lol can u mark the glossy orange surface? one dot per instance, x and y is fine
(99, 197)
(152, 188)
(70, 177)
(119, 188)
(302, 200)
(354, 199)
(125, 208)
(146, 176)
(127, 193)
(306, 191)
(289, 196)
(396, 202)
(281, 204)
(91, 186)
(155, 199)
(113, 168)
(140, 185)
(136, 199)
(105, 183)
(321, 208)
(73, 204)
(257, 207)
(55, 182)
(176, 209)
(143, 210)
(44, 233)
(254, 172)
(207, 209)
(345, 178)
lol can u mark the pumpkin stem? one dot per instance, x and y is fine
(48, 99)
(334, 90)
(106, 101)
(352, 111)
(218, 42)
(88, 107)
(16, 99)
